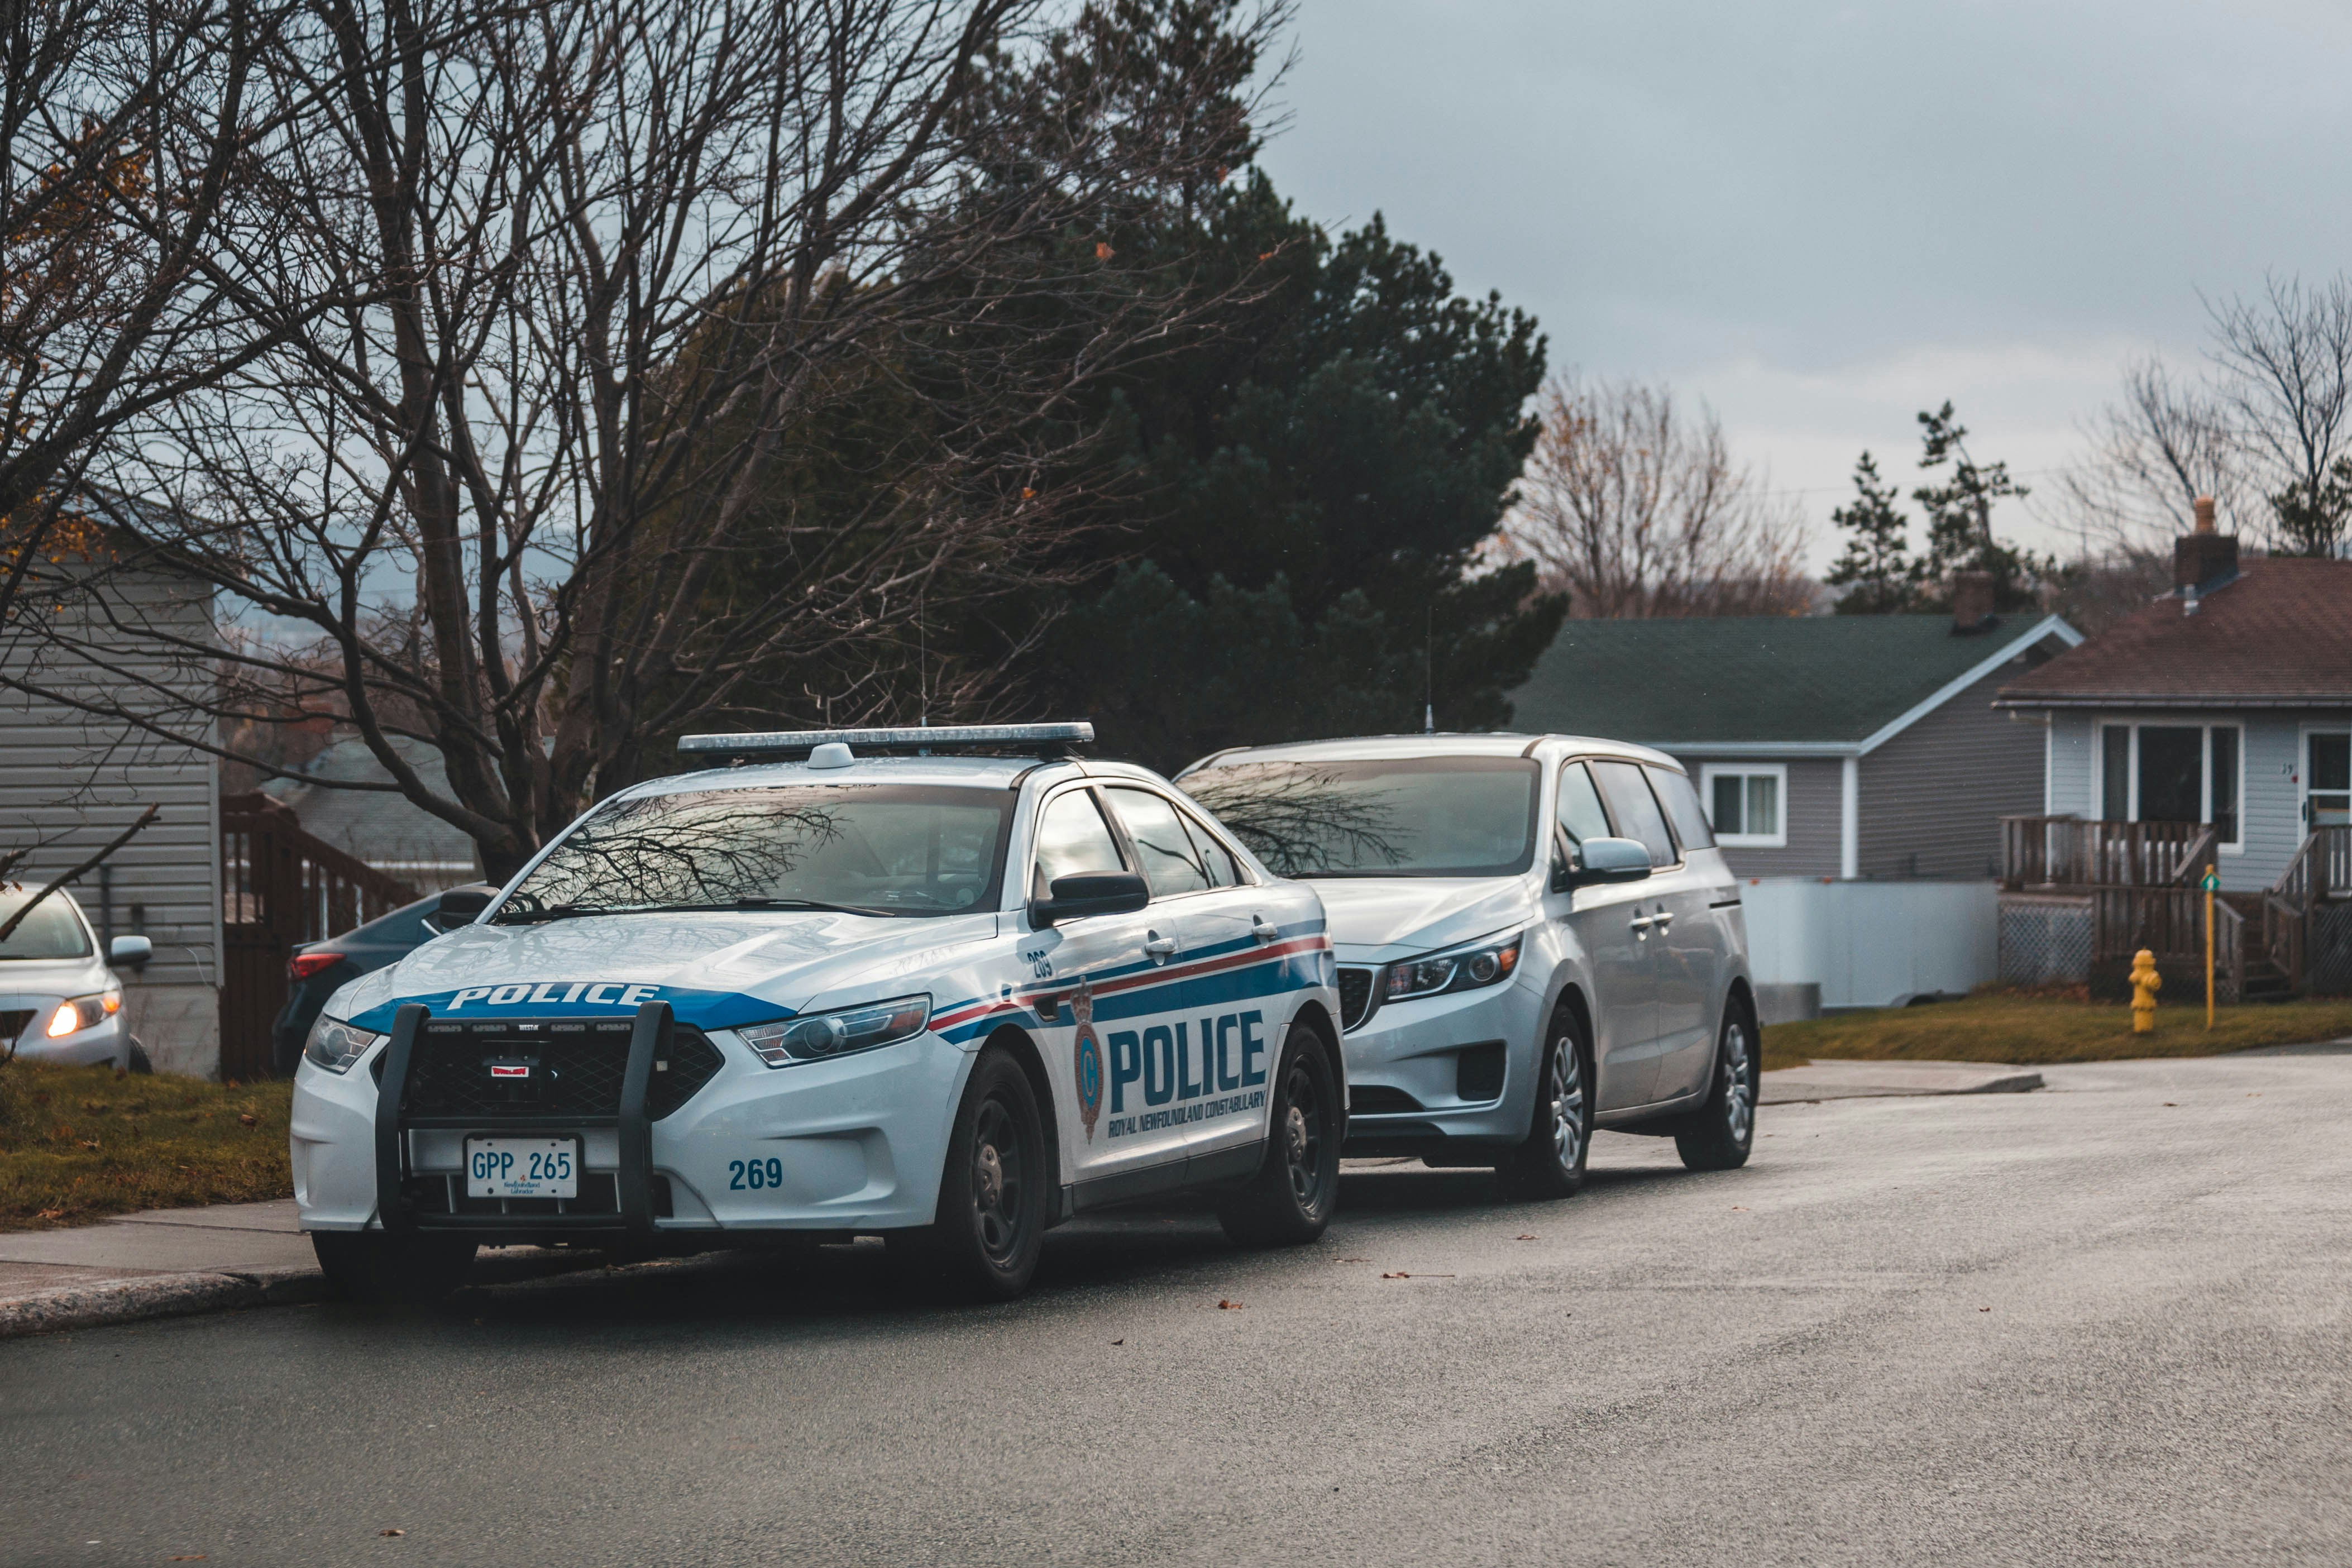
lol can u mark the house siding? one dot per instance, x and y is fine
(2273, 808)
(1932, 797)
(74, 781)
(1812, 808)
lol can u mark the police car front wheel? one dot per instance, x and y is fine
(993, 1192)
(1290, 1201)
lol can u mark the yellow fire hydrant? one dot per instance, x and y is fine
(2145, 984)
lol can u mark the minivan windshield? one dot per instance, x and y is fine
(880, 849)
(51, 930)
(1393, 816)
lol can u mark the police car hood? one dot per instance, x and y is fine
(1373, 920)
(717, 971)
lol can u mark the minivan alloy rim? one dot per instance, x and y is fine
(1567, 1104)
(1739, 1090)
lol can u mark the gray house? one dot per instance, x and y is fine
(1838, 746)
(2212, 727)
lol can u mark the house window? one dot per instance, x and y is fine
(2327, 799)
(1748, 805)
(2172, 772)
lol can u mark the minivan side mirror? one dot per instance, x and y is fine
(458, 906)
(1086, 893)
(130, 953)
(1611, 860)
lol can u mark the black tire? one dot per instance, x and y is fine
(1289, 1202)
(995, 1192)
(1551, 1163)
(1718, 1137)
(382, 1270)
(135, 1059)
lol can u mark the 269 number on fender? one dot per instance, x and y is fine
(754, 1175)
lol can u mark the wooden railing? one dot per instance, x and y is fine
(2229, 950)
(2086, 852)
(2168, 921)
(281, 887)
(2320, 870)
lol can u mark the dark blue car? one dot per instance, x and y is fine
(320, 969)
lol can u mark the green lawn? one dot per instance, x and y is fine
(78, 1143)
(2007, 1026)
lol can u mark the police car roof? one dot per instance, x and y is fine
(976, 773)
(1372, 748)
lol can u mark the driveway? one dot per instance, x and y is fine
(2103, 1322)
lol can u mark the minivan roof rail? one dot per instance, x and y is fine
(1020, 739)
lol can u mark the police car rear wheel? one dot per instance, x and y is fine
(1551, 1163)
(1290, 1199)
(382, 1270)
(991, 1213)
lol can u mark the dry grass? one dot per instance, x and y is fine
(2011, 1027)
(78, 1143)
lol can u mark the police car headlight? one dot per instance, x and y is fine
(335, 1045)
(823, 1035)
(1466, 969)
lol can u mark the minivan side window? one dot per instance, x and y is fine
(1580, 815)
(1683, 808)
(1072, 838)
(1636, 809)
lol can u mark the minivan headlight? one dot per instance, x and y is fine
(335, 1045)
(1463, 969)
(821, 1035)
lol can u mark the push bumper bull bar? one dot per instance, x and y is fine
(649, 1038)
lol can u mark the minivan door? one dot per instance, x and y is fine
(1690, 941)
(1607, 921)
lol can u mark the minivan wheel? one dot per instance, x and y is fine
(1550, 1163)
(1290, 1199)
(1719, 1136)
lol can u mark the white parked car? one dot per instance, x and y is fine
(1536, 937)
(59, 1000)
(951, 997)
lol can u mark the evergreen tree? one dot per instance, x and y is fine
(1877, 573)
(1959, 519)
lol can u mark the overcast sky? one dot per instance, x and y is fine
(1824, 218)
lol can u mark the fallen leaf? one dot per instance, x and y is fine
(1984, 1308)
(2171, 1105)
(186, 1557)
(51, 1214)
(1103, 252)
(1396, 1276)
(250, 1119)
(1739, 1208)
(1118, 1342)
(1229, 1306)
(89, 1142)
(392, 1532)
(1527, 1238)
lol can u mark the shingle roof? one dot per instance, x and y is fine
(2279, 636)
(380, 827)
(1815, 678)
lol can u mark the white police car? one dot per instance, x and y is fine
(948, 996)
(1535, 936)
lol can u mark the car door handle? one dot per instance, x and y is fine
(1264, 929)
(1643, 923)
(1160, 947)
(1663, 918)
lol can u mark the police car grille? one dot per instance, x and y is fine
(575, 1069)
(1354, 996)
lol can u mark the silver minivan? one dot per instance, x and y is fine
(1536, 937)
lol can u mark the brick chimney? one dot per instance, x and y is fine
(1971, 603)
(2206, 559)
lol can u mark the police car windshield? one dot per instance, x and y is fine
(1405, 816)
(882, 850)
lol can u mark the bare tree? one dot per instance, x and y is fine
(2285, 361)
(1634, 507)
(124, 127)
(2169, 440)
(567, 296)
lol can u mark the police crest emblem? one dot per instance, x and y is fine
(1090, 1062)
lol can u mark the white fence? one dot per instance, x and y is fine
(1871, 945)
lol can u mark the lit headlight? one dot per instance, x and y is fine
(823, 1035)
(84, 1012)
(335, 1045)
(1466, 969)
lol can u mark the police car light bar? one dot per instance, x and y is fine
(1050, 740)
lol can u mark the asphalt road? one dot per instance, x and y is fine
(2103, 1323)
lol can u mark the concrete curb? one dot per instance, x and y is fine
(158, 1296)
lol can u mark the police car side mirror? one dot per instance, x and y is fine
(1611, 860)
(458, 906)
(1090, 893)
